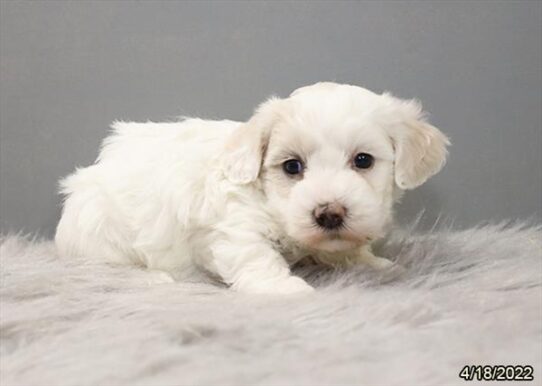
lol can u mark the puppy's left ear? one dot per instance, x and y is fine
(244, 149)
(420, 148)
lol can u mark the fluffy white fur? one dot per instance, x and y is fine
(213, 196)
(468, 297)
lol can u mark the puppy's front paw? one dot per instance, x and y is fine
(367, 257)
(379, 263)
(284, 286)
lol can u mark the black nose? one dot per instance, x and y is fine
(329, 216)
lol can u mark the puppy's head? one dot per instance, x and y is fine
(330, 159)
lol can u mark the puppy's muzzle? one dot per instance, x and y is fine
(330, 216)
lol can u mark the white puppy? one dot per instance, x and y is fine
(312, 175)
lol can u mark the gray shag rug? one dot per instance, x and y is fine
(470, 297)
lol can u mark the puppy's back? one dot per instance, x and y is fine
(139, 174)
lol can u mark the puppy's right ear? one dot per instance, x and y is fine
(244, 149)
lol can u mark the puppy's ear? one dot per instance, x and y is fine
(244, 149)
(420, 148)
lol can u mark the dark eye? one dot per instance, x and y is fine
(363, 161)
(292, 166)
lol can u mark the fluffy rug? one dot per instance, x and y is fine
(468, 297)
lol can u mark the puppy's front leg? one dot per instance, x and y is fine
(255, 267)
(366, 256)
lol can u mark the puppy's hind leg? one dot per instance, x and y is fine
(254, 267)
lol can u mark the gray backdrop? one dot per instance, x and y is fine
(70, 68)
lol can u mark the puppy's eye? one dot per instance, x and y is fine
(363, 160)
(292, 166)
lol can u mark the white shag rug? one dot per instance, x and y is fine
(468, 297)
